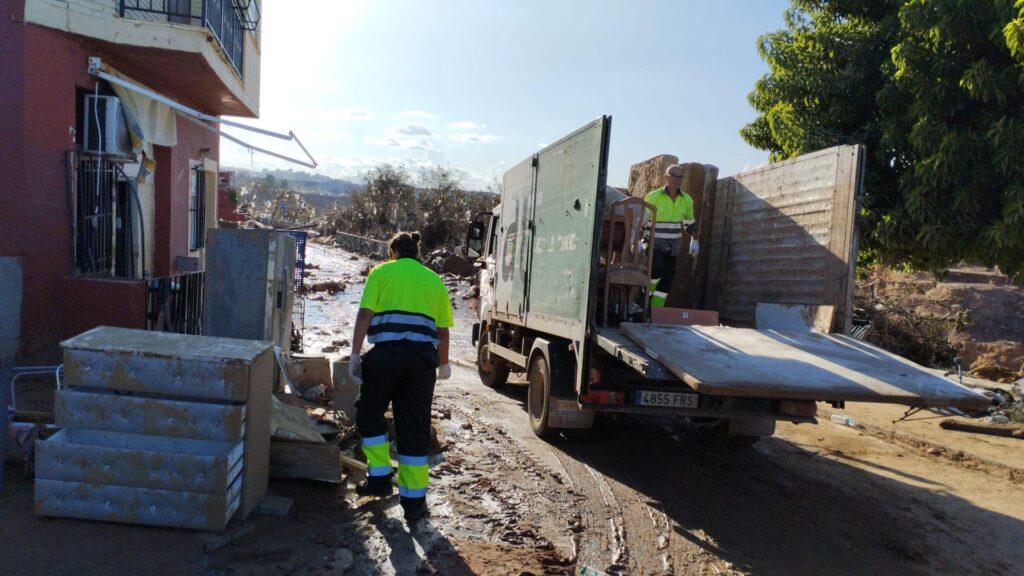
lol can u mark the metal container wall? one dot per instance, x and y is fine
(786, 234)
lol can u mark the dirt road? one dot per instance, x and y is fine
(638, 497)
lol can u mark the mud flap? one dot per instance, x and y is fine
(563, 409)
(566, 413)
(751, 427)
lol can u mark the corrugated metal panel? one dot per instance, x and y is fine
(786, 234)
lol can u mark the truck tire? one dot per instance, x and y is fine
(539, 396)
(493, 370)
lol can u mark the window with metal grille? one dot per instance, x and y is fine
(197, 208)
(103, 235)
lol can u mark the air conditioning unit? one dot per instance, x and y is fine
(105, 129)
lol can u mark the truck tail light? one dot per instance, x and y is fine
(608, 397)
(802, 408)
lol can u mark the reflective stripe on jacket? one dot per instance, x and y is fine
(409, 303)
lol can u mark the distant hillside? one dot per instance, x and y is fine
(298, 181)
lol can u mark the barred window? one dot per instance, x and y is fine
(103, 235)
(197, 208)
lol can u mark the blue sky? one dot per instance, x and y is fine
(480, 85)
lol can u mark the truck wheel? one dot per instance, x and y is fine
(493, 370)
(539, 396)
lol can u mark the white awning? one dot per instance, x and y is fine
(151, 111)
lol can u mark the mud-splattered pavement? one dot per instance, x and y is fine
(637, 497)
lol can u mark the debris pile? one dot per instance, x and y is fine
(330, 286)
(445, 262)
(974, 319)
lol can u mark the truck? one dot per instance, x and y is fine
(782, 237)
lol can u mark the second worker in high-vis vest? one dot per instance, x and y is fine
(405, 312)
(674, 217)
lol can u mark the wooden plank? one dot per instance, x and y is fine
(257, 434)
(309, 460)
(718, 270)
(136, 505)
(76, 408)
(806, 366)
(134, 460)
(841, 236)
(706, 215)
(981, 428)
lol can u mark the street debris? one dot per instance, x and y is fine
(980, 428)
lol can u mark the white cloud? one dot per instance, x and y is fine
(465, 125)
(399, 142)
(418, 114)
(339, 114)
(474, 138)
(409, 130)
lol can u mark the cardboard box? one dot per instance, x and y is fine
(307, 371)
(684, 317)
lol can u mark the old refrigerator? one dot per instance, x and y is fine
(249, 285)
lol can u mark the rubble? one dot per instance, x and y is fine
(329, 286)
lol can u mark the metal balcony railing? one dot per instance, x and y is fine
(227, 19)
(175, 303)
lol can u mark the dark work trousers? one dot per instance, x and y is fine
(664, 267)
(404, 377)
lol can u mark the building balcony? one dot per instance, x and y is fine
(202, 53)
(227, 20)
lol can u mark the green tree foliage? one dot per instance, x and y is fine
(935, 89)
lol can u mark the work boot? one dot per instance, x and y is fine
(378, 486)
(415, 510)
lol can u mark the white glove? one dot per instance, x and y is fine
(694, 247)
(355, 369)
(444, 372)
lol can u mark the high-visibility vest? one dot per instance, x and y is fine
(672, 216)
(409, 303)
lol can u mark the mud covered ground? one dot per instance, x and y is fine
(638, 497)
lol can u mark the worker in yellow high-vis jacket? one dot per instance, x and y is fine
(674, 216)
(405, 312)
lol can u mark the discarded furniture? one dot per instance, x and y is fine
(249, 285)
(627, 265)
(158, 428)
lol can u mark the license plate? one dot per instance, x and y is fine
(665, 399)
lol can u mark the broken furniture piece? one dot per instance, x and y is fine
(158, 428)
(627, 269)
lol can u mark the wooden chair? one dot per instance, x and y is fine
(627, 265)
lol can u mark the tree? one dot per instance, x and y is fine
(935, 89)
(445, 208)
(384, 205)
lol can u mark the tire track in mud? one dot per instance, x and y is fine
(497, 492)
